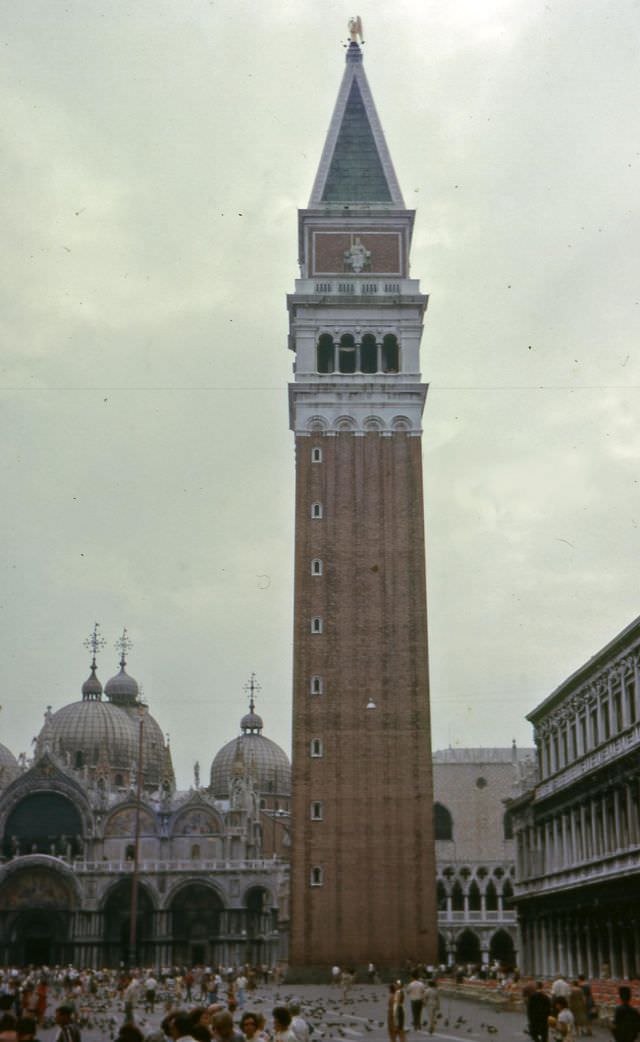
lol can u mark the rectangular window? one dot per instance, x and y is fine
(316, 747)
(316, 811)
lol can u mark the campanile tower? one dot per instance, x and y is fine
(363, 879)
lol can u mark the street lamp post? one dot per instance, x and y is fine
(133, 924)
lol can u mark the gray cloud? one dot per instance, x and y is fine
(155, 157)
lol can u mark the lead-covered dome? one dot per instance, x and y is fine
(267, 763)
(122, 689)
(82, 732)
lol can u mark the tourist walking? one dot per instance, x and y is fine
(578, 1006)
(391, 1023)
(416, 994)
(399, 1019)
(538, 1013)
(563, 1022)
(431, 1004)
(626, 1019)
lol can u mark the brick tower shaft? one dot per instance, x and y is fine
(363, 879)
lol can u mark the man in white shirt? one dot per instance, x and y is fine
(416, 991)
(560, 988)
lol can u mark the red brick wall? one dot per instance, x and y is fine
(375, 843)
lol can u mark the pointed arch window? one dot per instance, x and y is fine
(457, 897)
(475, 903)
(316, 566)
(325, 353)
(491, 897)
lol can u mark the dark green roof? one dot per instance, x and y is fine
(356, 174)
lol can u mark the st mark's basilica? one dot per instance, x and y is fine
(212, 887)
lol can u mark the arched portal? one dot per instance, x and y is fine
(502, 949)
(36, 906)
(261, 924)
(468, 947)
(117, 926)
(196, 920)
(43, 823)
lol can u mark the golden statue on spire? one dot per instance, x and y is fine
(355, 29)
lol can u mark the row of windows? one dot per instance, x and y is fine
(596, 724)
(473, 895)
(368, 356)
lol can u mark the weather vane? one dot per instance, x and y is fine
(123, 645)
(252, 687)
(355, 29)
(95, 643)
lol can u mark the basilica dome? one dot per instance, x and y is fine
(81, 732)
(99, 733)
(268, 764)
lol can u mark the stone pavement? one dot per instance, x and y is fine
(361, 1017)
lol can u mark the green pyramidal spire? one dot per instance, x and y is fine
(356, 166)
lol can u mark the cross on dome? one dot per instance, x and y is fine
(251, 723)
(94, 643)
(123, 645)
(252, 687)
(92, 688)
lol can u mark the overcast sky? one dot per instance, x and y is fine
(154, 157)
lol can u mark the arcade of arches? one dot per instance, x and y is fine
(204, 894)
(41, 922)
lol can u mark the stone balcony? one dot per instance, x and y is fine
(507, 917)
(371, 286)
(149, 867)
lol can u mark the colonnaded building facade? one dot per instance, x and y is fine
(363, 872)
(475, 853)
(213, 886)
(577, 821)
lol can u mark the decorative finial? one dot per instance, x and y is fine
(123, 645)
(252, 687)
(196, 775)
(94, 643)
(355, 29)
